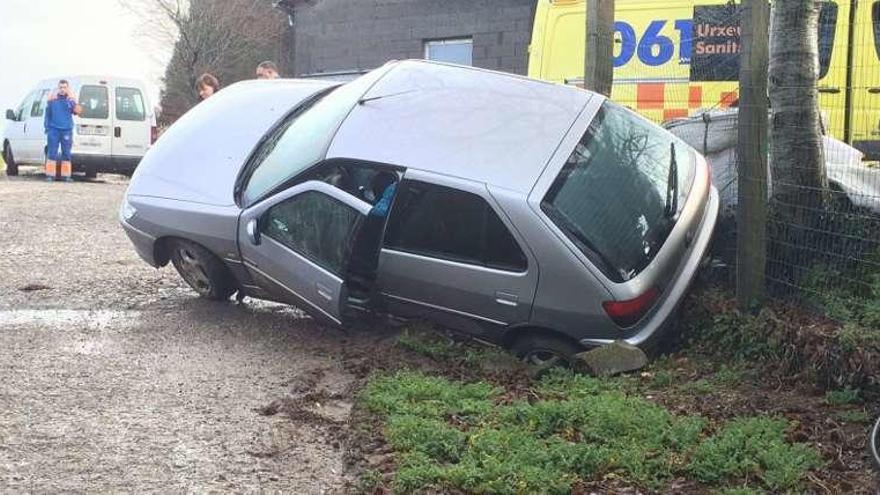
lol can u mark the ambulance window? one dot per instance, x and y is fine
(827, 30)
(94, 102)
(129, 104)
(875, 20)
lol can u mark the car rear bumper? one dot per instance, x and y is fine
(144, 243)
(676, 290)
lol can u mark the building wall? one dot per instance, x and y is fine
(346, 35)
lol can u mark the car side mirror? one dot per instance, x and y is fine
(253, 231)
(10, 115)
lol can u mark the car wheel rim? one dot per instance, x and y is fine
(194, 271)
(543, 357)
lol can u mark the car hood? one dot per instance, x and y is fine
(199, 157)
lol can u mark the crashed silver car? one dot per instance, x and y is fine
(541, 217)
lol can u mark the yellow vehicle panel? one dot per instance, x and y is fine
(658, 44)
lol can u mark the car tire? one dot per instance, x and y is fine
(545, 349)
(11, 166)
(202, 270)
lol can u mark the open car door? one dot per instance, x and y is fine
(296, 245)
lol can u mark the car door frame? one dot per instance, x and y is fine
(318, 291)
(514, 301)
(34, 132)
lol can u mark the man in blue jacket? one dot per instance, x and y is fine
(58, 123)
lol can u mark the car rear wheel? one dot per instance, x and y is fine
(202, 270)
(11, 166)
(545, 350)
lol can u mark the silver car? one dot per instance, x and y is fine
(541, 217)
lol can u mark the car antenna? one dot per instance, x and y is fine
(365, 100)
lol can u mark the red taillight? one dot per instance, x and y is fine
(627, 313)
(154, 134)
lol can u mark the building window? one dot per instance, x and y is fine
(454, 50)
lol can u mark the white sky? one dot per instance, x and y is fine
(51, 38)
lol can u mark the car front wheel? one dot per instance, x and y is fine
(202, 270)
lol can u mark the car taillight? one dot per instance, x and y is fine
(627, 313)
(154, 134)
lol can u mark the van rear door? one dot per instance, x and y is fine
(93, 126)
(131, 128)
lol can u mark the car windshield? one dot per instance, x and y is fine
(614, 198)
(302, 139)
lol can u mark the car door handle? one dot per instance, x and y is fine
(324, 291)
(830, 90)
(506, 299)
(117, 132)
(874, 90)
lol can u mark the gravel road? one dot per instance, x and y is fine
(115, 377)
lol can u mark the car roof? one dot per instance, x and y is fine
(475, 124)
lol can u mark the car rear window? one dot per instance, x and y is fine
(94, 102)
(610, 199)
(130, 104)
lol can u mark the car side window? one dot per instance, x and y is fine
(315, 226)
(39, 104)
(450, 224)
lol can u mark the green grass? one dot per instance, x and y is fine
(859, 416)
(475, 438)
(753, 447)
(841, 397)
(434, 345)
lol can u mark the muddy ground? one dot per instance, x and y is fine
(115, 377)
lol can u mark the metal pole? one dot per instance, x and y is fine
(752, 148)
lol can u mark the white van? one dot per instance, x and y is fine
(114, 131)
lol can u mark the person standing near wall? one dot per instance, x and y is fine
(58, 125)
(267, 70)
(207, 85)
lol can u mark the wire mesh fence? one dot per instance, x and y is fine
(679, 64)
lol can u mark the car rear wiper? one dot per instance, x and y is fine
(672, 185)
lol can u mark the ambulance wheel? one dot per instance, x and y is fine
(202, 270)
(11, 166)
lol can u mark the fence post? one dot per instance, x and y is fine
(751, 217)
(599, 49)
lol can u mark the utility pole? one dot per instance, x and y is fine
(599, 53)
(752, 149)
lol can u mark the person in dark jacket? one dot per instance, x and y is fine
(58, 124)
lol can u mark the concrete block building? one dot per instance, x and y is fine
(341, 38)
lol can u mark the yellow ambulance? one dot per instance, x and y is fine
(672, 57)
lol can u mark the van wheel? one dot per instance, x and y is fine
(545, 350)
(91, 172)
(11, 166)
(202, 270)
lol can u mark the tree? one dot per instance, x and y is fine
(226, 38)
(796, 149)
(599, 49)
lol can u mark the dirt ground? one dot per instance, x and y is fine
(117, 378)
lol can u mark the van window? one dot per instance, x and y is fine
(94, 101)
(39, 104)
(130, 104)
(613, 198)
(446, 223)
